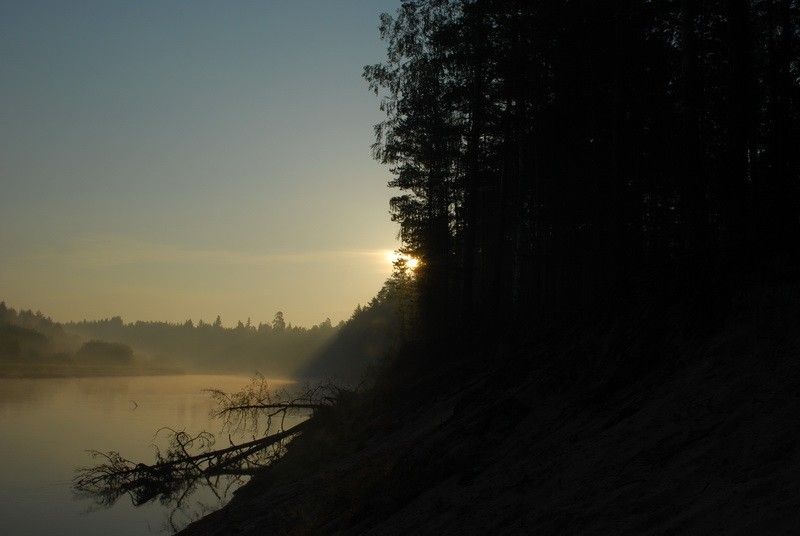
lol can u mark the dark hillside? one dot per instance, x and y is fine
(699, 439)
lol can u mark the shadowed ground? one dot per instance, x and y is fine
(700, 437)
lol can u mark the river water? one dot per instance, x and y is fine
(47, 425)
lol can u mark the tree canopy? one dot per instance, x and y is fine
(549, 155)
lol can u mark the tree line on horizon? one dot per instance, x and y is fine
(271, 348)
(552, 156)
(277, 325)
(341, 351)
(32, 343)
(26, 330)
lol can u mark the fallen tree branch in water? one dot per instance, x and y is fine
(118, 476)
(191, 460)
(258, 405)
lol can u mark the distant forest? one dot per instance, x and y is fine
(24, 332)
(32, 344)
(269, 348)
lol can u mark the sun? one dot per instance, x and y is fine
(394, 256)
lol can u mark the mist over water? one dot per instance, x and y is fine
(49, 424)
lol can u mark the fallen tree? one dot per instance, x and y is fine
(271, 417)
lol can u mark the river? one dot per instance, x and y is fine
(47, 425)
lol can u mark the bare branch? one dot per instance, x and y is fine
(190, 460)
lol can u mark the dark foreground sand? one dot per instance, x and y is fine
(700, 437)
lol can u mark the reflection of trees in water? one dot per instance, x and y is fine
(261, 419)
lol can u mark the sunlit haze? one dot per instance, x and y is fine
(394, 256)
(173, 160)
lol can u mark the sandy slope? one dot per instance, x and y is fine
(702, 439)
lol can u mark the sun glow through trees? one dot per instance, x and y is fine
(393, 256)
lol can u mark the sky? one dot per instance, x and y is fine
(174, 159)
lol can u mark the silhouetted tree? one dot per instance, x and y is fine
(278, 323)
(553, 155)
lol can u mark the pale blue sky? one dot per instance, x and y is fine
(166, 159)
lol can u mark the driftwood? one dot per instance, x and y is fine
(191, 460)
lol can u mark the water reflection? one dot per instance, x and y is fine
(271, 415)
(48, 424)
